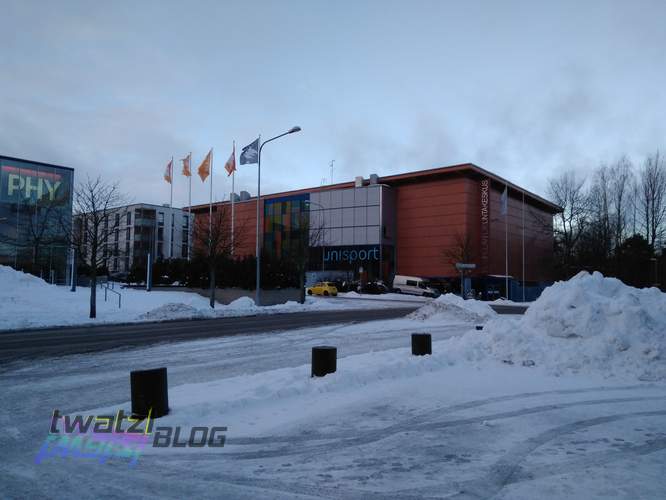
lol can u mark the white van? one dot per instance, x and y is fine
(413, 286)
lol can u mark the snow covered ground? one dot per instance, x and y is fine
(27, 301)
(462, 423)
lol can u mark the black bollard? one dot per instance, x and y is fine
(479, 327)
(421, 344)
(324, 360)
(149, 390)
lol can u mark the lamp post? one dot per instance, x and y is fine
(257, 298)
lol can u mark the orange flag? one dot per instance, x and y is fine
(186, 166)
(230, 165)
(204, 168)
(168, 173)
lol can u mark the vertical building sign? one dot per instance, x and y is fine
(485, 227)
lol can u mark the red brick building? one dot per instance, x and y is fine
(417, 224)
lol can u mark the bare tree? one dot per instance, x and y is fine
(653, 197)
(599, 205)
(568, 192)
(461, 250)
(96, 204)
(41, 229)
(213, 241)
(634, 202)
(311, 233)
(621, 182)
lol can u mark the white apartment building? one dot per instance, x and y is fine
(141, 229)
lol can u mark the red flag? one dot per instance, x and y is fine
(230, 166)
(168, 172)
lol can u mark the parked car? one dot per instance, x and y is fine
(323, 288)
(373, 288)
(344, 286)
(412, 285)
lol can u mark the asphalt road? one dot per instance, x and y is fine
(63, 341)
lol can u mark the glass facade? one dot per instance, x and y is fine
(354, 231)
(284, 219)
(349, 231)
(35, 217)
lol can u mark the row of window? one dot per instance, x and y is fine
(340, 198)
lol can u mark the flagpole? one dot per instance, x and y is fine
(210, 205)
(189, 209)
(171, 210)
(523, 246)
(257, 294)
(506, 244)
(233, 196)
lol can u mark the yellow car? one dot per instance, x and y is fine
(323, 288)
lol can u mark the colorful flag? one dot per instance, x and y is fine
(250, 153)
(230, 165)
(204, 168)
(168, 173)
(186, 166)
(504, 201)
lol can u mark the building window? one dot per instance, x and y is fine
(128, 234)
(184, 252)
(128, 218)
(160, 219)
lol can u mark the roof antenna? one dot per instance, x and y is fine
(331, 164)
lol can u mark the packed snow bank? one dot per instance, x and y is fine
(12, 279)
(588, 323)
(452, 307)
(170, 311)
(29, 302)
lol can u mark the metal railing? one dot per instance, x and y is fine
(105, 286)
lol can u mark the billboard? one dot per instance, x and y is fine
(22, 182)
(35, 216)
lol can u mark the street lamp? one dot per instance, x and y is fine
(257, 297)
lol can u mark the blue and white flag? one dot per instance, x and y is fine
(504, 201)
(250, 153)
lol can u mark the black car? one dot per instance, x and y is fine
(373, 288)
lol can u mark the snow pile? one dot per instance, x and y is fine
(242, 303)
(11, 279)
(29, 302)
(452, 307)
(588, 323)
(171, 311)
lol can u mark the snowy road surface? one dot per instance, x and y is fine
(387, 425)
(74, 340)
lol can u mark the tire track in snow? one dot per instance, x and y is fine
(310, 436)
(505, 471)
(333, 443)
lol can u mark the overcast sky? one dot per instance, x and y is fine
(524, 89)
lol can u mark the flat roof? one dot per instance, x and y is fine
(413, 176)
(2, 157)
